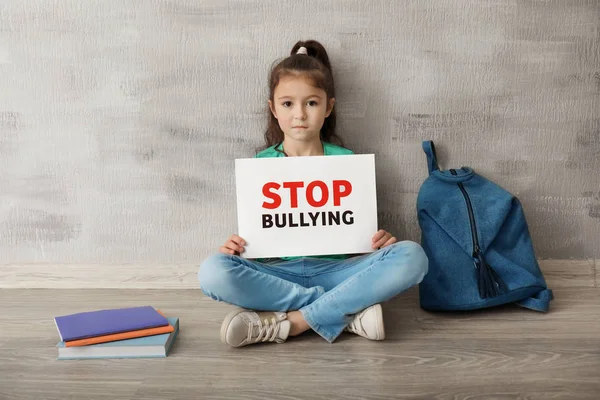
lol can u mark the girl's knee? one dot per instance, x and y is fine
(414, 260)
(214, 274)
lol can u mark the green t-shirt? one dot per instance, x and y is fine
(329, 149)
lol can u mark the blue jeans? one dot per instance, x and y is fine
(327, 292)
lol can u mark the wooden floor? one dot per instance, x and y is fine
(504, 353)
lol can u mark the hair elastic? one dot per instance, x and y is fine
(302, 50)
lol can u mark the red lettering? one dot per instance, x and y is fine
(337, 193)
(271, 195)
(340, 188)
(293, 186)
(310, 195)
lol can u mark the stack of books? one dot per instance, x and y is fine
(134, 332)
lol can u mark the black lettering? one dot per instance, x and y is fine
(291, 221)
(334, 216)
(307, 219)
(349, 220)
(280, 224)
(302, 223)
(267, 221)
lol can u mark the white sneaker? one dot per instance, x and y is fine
(243, 327)
(368, 323)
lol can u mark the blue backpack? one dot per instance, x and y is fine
(478, 243)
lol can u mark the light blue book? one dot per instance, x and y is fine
(143, 347)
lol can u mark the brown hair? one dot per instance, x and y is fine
(317, 68)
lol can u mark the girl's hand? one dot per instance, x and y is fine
(382, 239)
(233, 246)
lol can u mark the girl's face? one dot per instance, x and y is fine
(300, 108)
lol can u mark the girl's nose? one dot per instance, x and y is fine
(301, 113)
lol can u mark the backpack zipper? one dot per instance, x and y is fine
(489, 282)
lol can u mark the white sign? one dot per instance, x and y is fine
(304, 206)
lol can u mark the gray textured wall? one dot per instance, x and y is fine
(120, 120)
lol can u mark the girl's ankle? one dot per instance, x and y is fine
(298, 323)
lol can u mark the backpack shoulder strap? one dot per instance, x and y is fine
(539, 302)
(429, 149)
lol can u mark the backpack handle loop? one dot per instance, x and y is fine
(540, 302)
(429, 149)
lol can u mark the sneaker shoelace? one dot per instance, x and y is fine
(267, 330)
(354, 326)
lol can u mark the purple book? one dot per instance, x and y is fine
(106, 322)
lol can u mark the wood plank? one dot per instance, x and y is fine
(79, 276)
(366, 386)
(577, 307)
(558, 273)
(501, 353)
(569, 273)
(573, 307)
(71, 386)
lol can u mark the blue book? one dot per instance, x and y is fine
(144, 347)
(105, 322)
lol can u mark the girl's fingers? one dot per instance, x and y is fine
(381, 241)
(234, 246)
(378, 245)
(385, 241)
(391, 240)
(237, 240)
(378, 235)
(226, 250)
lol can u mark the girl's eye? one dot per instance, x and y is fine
(312, 103)
(286, 103)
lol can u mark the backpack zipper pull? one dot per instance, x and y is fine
(476, 256)
(489, 283)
